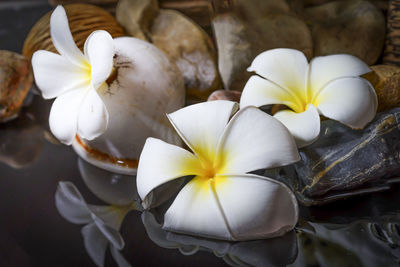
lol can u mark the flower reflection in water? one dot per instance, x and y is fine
(102, 223)
(325, 237)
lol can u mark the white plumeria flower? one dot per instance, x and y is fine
(222, 200)
(73, 78)
(102, 223)
(329, 85)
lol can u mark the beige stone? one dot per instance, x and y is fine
(240, 41)
(15, 81)
(191, 49)
(386, 81)
(136, 16)
(353, 27)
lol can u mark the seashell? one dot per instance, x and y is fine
(83, 20)
(386, 81)
(146, 86)
(15, 81)
(345, 162)
(225, 95)
(353, 27)
(191, 49)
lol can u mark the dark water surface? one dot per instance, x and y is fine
(362, 231)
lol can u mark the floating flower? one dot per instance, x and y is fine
(222, 200)
(329, 86)
(73, 78)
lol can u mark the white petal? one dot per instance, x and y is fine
(63, 117)
(95, 243)
(201, 125)
(256, 207)
(71, 205)
(327, 68)
(62, 38)
(54, 74)
(258, 92)
(160, 163)
(93, 116)
(286, 67)
(99, 48)
(303, 126)
(348, 100)
(255, 140)
(195, 211)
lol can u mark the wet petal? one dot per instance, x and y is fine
(201, 125)
(55, 75)
(71, 205)
(160, 163)
(255, 140)
(327, 68)
(118, 257)
(99, 48)
(303, 126)
(62, 38)
(195, 211)
(258, 92)
(348, 100)
(63, 117)
(93, 116)
(265, 208)
(286, 67)
(110, 233)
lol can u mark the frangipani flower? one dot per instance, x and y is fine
(329, 86)
(222, 200)
(73, 79)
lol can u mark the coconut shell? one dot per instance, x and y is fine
(83, 20)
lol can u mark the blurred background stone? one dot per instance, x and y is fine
(15, 81)
(386, 81)
(353, 27)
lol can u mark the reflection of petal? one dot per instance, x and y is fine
(155, 233)
(110, 233)
(195, 210)
(348, 100)
(255, 140)
(71, 205)
(95, 243)
(161, 162)
(201, 125)
(93, 116)
(117, 256)
(259, 92)
(63, 118)
(327, 68)
(303, 126)
(55, 75)
(255, 206)
(279, 251)
(62, 38)
(286, 67)
(99, 48)
(113, 188)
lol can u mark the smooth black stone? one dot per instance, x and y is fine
(345, 162)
